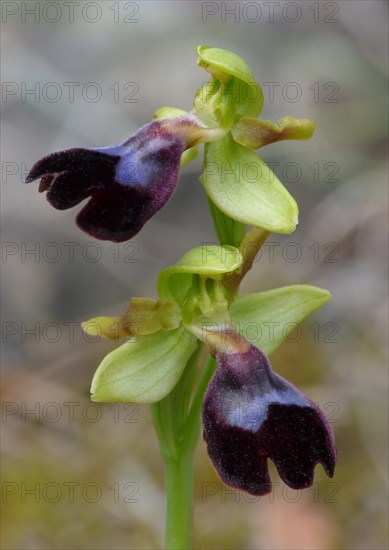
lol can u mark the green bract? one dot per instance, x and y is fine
(243, 187)
(266, 318)
(143, 370)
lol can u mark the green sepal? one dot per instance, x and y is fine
(255, 133)
(143, 370)
(242, 186)
(266, 318)
(223, 64)
(189, 155)
(173, 112)
(168, 112)
(209, 260)
(232, 91)
(143, 316)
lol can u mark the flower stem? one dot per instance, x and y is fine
(249, 247)
(179, 493)
(179, 471)
(193, 421)
(178, 449)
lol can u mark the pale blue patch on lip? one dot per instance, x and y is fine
(128, 170)
(116, 150)
(249, 414)
(131, 169)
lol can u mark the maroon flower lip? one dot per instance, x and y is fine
(251, 414)
(127, 184)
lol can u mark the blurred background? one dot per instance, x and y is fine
(88, 74)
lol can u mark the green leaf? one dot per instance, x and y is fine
(143, 370)
(208, 259)
(266, 318)
(243, 187)
(173, 112)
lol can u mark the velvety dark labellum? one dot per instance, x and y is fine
(251, 414)
(127, 184)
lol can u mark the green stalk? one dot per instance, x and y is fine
(178, 450)
(179, 494)
(193, 421)
(179, 471)
(249, 247)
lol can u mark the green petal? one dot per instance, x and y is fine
(244, 187)
(143, 316)
(209, 260)
(172, 112)
(107, 327)
(266, 318)
(255, 133)
(144, 370)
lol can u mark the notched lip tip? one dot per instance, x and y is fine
(330, 471)
(34, 175)
(265, 489)
(262, 492)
